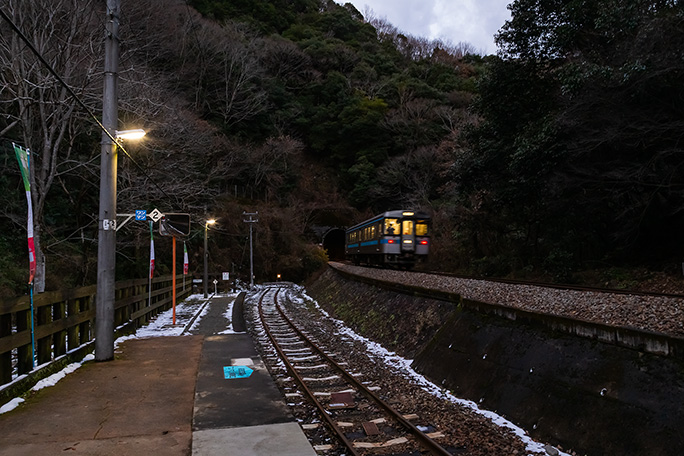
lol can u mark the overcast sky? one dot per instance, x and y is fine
(471, 21)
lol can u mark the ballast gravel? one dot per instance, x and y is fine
(645, 312)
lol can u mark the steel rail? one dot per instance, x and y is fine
(323, 412)
(423, 439)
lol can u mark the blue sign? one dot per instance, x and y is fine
(231, 372)
(141, 214)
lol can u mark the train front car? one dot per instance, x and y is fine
(394, 238)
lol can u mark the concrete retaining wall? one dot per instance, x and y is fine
(595, 389)
(593, 397)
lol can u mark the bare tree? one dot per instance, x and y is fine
(41, 113)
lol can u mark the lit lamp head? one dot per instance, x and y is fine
(210, 222)
(130, 134)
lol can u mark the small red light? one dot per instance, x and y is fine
(423, 242)
(390, 241)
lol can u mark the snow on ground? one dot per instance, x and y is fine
(161, 326)
(403, 366)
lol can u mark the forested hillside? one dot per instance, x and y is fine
(559, 154)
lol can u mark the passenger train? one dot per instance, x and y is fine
(394, 238)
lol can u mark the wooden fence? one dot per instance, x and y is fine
(65, 320)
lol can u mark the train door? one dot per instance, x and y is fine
(408, 238)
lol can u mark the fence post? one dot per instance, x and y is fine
(44, 344)
(24, 352)
(59, 340)
(72, 331)
(5, 358)
(84, 328)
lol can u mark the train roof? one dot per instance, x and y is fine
(402, 213)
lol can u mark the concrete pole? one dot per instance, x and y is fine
(106, 246)
(251, 259)
(251, 221)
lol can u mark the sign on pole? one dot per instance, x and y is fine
(174, 225)
(155, 215)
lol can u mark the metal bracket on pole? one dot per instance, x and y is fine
(128, 217)
(155, 215)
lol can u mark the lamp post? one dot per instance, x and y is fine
(206, 253)
(251, 222)
(106, 245)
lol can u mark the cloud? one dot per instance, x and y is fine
(470, 21)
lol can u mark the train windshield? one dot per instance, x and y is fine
(407, 227)
(391, 226)
(421, 228)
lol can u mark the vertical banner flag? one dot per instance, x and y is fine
(186, 265)
(151, 251)
(24, 165)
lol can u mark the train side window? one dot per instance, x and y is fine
(407, 227)
(421, 228)
(391, 226)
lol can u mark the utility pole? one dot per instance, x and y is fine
(106, 245)
(251, 222)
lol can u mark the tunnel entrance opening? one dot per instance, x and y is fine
(333, 243)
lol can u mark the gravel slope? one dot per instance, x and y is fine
(651, 313)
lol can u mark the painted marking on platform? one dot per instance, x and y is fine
(231, 372)
(242, 362)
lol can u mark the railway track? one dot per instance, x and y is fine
(348, 407)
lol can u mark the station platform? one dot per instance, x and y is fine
(184, 395)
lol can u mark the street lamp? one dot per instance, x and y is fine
(206, 252)
(130, 134)
(106, 243)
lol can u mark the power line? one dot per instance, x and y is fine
(75, 97)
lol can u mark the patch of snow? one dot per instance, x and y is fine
(47, 382)
(11, 405)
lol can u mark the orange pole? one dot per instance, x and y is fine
(174, 280)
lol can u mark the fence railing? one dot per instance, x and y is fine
(65, 320)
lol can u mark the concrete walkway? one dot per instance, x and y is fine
(139, 403)
(153, 395)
